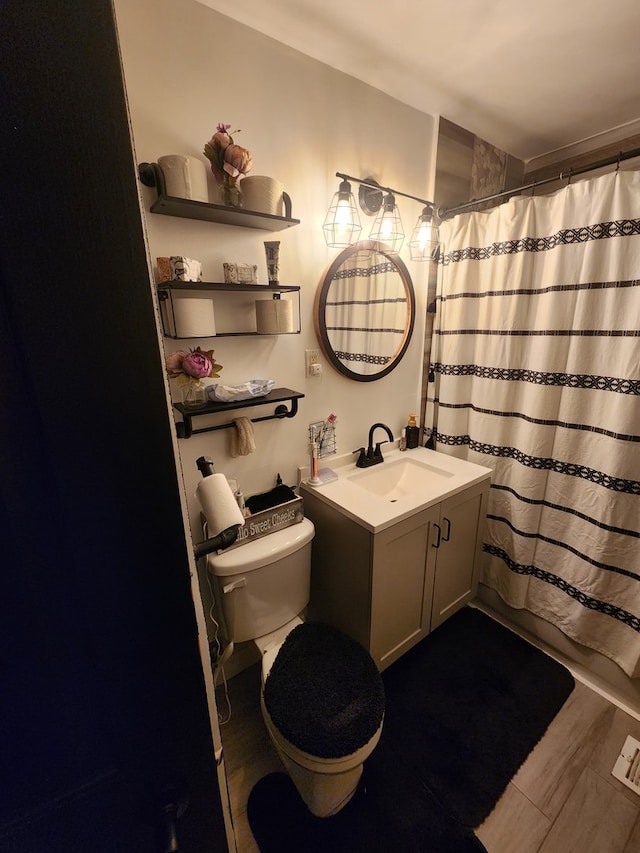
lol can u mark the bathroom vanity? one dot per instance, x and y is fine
(397, 547)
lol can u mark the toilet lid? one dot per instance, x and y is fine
(324, 692)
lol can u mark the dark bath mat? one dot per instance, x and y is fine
(463, 710)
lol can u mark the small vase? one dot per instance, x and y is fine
(229, 192)
(194, 395)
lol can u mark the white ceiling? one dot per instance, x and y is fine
(529, 77)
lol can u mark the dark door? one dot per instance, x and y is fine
(104, 723)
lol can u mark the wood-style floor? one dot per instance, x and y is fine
(562, 800)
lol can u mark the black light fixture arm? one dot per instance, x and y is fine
(375, 186)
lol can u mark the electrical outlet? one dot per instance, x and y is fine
(312, 362)
(303, 473)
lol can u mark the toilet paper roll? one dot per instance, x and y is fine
(218, 504)
(274, 316)
(194, 317)
(184, 177)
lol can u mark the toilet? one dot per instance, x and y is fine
(322, 698)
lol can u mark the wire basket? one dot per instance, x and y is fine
(327, 443)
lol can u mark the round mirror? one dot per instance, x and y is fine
(365, 310)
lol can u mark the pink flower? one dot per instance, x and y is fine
(226, 158)
(174, 362)
(238, 160)
(221, 139)
(196, 364)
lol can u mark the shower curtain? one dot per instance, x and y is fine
(537, 375)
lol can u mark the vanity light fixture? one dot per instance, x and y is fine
(387, 227)
(342, 224)
(424, 244)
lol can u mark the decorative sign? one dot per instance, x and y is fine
(268, 521)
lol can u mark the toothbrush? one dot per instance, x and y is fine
(329, 422)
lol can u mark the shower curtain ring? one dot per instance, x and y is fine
(618, 163)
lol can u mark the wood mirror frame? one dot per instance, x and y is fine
(393, 312)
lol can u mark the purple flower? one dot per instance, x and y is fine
(192, 366)
(196, 364)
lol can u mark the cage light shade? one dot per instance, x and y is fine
(424, 244)
(387, 227)
(342, 223)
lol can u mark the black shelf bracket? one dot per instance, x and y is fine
(151, 175)
(185, 428)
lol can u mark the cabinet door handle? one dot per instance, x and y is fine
(448, 536)
(437, 544)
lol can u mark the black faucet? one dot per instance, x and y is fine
(372, 456)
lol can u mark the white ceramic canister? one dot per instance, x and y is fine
(262, 194)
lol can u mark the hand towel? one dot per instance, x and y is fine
(243, 440)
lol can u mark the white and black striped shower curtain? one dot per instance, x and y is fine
(537, 375)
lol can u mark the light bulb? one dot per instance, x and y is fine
(344, 217)
(342, 225)
(425, 239)
(388, 227)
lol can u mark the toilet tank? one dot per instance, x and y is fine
(264, 584)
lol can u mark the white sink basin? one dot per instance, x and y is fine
(400, 479)
(404, 484)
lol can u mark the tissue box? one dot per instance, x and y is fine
(240, 273)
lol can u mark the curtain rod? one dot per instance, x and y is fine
(599, 164)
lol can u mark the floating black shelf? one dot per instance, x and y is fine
(224, 286)
(167, 310)
(151, 176)
(278, 395)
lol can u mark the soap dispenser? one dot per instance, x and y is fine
(413, 433)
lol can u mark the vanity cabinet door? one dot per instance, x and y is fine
(390, 589)
(402, 586)
(458, 547)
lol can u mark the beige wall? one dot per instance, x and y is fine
(187, 68)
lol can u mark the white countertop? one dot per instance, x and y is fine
(375, 513)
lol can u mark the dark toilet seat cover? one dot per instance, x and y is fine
(324, 692)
